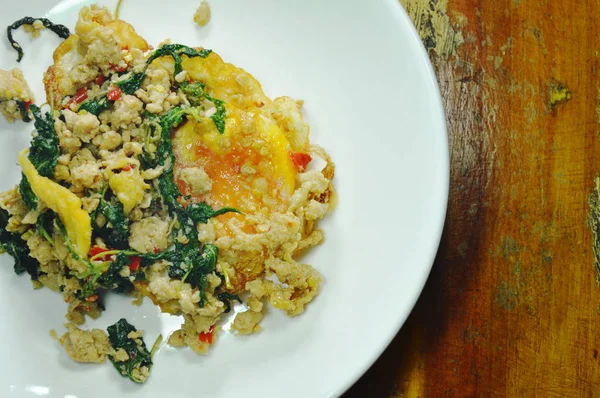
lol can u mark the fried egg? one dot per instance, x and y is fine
(250, 164)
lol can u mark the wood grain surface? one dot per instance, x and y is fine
(512, 306)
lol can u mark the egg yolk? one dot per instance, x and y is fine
(250, 167)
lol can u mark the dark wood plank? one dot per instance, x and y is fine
(512, 307)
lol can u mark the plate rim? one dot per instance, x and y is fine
(435, 243)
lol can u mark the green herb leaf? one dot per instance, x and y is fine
(23, 110)
(112, 280)
(68, 243)
(88, 288)
(61, 30)
(192, 266)
(151, 136)
(44, 145)
(176, 51)
(27, 193)
(45, 225)
(227, 298)
(218, 117)
(176, 272)
(97, 106)
(18, 249)
(139, 356)
(116, 231)
(201, 265)
(195, 94)
(202, 212)
(131, 85)
(43, 154)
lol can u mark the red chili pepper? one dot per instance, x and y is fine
(95, 250)
(80, 95)
(114, 94)
(134, 263)
(27, 104)
(100, 79)
(207, 337)
(300, 160)
(117, 69)
(92, 298)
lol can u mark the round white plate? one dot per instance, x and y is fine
(372, 101)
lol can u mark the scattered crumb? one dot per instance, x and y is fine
(202, 15)
(85, 345)
(248, 322)
(34, 29)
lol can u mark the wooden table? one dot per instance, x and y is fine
(512, 306)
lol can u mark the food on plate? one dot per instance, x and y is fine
(87, 346)
(15, 95)
(128, 352)
(165, 174)
(123, 345)
(202, 14)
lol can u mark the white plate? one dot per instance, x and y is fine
(372, 102)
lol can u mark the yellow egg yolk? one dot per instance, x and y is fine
(249, 169)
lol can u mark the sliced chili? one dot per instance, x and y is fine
(100, 79)
(95, 250)
(300, 160)
(207, 337)
(114, 94)
(134, 263)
